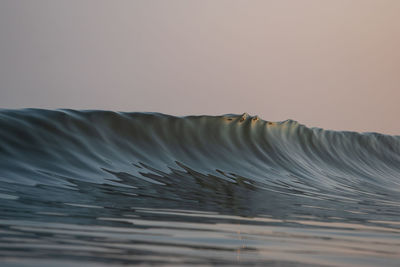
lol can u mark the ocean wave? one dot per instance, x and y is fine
(95, 145)
(79, 167)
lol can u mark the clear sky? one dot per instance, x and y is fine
(332, 64)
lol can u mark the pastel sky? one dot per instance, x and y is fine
(331, 64)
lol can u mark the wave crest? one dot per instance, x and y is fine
(57, 147)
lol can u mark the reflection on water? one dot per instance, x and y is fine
(157, 224)
(191, 237)
(101, 188)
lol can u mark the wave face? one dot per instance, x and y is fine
(123, 188)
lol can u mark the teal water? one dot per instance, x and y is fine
(106, 188)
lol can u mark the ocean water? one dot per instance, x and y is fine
(105, 188)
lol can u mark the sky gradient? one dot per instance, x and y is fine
(331, 64)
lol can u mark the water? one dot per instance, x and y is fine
(99, 188)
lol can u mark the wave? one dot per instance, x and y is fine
(125, 188)
(96, 146)
(45, 147)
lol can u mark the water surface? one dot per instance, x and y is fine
(99, 188)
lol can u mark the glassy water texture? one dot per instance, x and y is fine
(100, 188)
